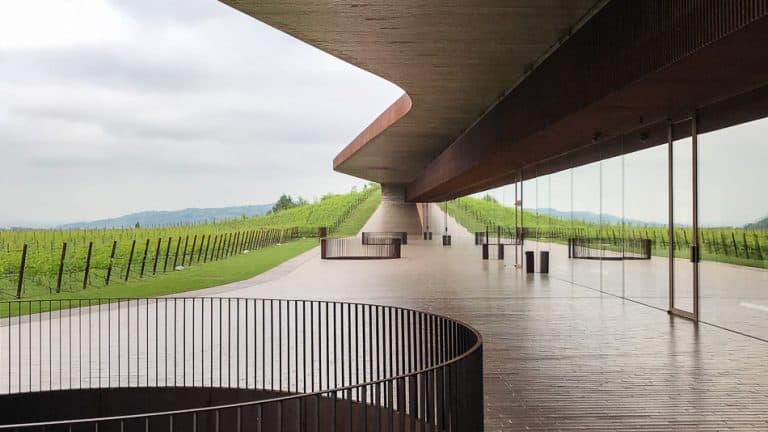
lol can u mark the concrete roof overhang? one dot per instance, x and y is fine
(497, 88)
(453, 59)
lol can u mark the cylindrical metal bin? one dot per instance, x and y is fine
(529, 262)
(544, 262)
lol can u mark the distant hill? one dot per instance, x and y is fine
(175, 217)
(761, 224)
(591, 217)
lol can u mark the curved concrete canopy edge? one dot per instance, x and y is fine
(453, 60)
(392, 114)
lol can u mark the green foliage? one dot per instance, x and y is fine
(158, 250)
(286, 202)
(731, 245)
(330, 212)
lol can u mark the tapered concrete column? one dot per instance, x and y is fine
(393, 193)
(394, 214)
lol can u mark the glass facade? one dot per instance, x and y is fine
(646, 211)
(608, 225)
(733, 221)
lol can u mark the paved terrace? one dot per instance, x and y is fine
(558, 356)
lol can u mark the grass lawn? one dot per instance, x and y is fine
(211, 274)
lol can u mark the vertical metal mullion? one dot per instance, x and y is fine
(671, 216)
(695, 215)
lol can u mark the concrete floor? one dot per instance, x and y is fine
(558, 355)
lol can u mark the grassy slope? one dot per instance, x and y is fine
(209, 275)
(356, 221)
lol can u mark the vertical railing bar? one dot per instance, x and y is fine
(378, 324)
(327, 346)
(184, 330)
(237, 338)
(377, 405)
(146, 342)
(221, 345)
(371, 374)
(79, 344)
(288, 341)
(263, 348)
(194, 344)
(304, 347)
(357, 347)
(157, 357)
(312, 345)
(258, 407)
(335, 348)
(280, 345)
(391, 405)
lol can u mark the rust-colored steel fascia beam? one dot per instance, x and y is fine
(395, 112)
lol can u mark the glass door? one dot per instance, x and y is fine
(683, 221)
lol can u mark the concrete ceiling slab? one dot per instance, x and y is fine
(454, 59)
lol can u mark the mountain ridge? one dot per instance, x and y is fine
(592, 217)
(759, 224)
(190, 215)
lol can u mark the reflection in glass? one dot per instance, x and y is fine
(733, 216)
(682, 215)
(645, 209)
(612, 225)
(586, 222)
(543, 211)
(559, 203)
(530, 215)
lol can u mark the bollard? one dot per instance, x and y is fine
(485, 251)
(544, 262)
(501, 251)
(529, 262)
(446, 240)
(429, 235)
(425, 235)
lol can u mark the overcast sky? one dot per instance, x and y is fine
(114, 106)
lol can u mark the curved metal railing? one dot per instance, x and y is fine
(377, 238)
(202, 363)
(609, 249)
(351, 248)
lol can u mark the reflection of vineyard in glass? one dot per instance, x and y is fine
(731, 245)
(58, 260)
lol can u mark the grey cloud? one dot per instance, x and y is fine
(170, 11)
(202, 101)
(103, 66)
